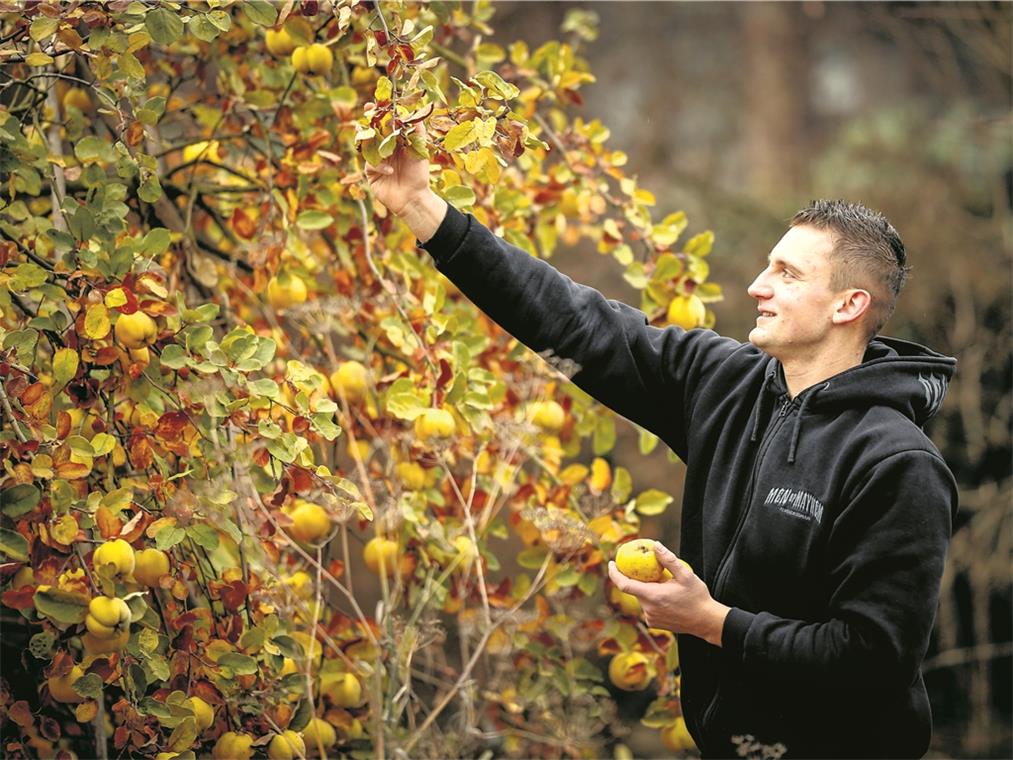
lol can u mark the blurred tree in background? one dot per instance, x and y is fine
(741, 113)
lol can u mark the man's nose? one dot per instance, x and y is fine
(759, 287)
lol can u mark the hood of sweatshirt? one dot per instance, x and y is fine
(897, 374)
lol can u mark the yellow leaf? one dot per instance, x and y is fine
(460, 136)
(38, 59)
(42, 466)
(65, 363)
(96, 321)
(64, 530)
(115, 297)
(644, 197)
(573, 474)
(384, 89)
(102, 444)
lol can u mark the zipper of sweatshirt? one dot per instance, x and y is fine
(786, 406)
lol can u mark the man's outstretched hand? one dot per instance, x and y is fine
(401, 183)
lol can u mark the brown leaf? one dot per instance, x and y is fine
(20, 599)
(141, 455)
(109, 524)
(72, 470)
(244, 224)
(21, 713)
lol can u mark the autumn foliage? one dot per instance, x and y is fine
(270, 485)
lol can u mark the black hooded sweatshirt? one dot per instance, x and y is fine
(821, 520)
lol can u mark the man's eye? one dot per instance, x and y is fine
(787, 275)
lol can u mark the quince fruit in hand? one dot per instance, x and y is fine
(107, 617)
(380, 555)
(118, 553)
(135, 330)
(434, 423)
(687, 312)
(310, 522)
(636, 559)
(150, 565)
(351, 380)
(285, 290)
(630, 671)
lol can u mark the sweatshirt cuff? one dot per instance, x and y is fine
(733, 634)
(449, 235)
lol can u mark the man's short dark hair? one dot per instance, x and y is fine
(868, 253)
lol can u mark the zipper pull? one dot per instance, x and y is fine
(785, 406)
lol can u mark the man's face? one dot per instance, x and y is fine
(794, 299)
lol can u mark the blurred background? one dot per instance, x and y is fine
(739, 114)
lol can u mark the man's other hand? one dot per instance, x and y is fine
(682, 604)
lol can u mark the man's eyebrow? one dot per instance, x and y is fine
(772, 259)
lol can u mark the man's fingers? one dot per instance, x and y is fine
(669, 561)
(624, 583)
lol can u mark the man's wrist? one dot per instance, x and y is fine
(424, 214)
(715, 623)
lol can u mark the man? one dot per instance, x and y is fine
(816, 512)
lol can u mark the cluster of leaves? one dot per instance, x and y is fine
(190, 262)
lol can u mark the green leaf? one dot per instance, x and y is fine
(653, 502)
(150, 190)
(260, 12)
(221, 19)
(19, 500)
(460, 195)
(533, 557)
(13, 545)
(265, 387)
(164, 26)
(156, 241)
(301, 717)
(168, 537)
(89, 686)
(65, 363)
(173, 356)
(27, 276)
(622, 485)
(201, 27)
(314, 220)
(604, 435)
(61, 606)
(240, 664)
(23, 342)
(647, 442)
(325, 425)
(42, 27)
(183, 735)
(203, 535)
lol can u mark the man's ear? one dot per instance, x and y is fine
(852, 305)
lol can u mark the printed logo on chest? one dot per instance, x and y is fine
(796, 503)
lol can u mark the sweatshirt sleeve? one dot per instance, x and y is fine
(607, 348)
(886, 555)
